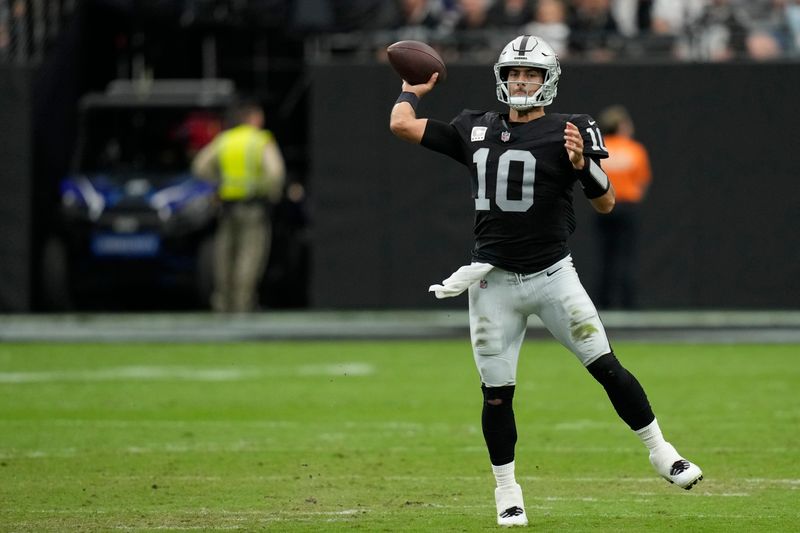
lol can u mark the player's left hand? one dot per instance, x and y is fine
(573, 142)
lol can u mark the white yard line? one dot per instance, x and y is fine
(259, 446)
(598, 480)
(185, 373)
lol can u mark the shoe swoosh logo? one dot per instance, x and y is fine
(554, 271)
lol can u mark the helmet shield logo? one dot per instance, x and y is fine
(524, 47)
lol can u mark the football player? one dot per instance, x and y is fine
(524, 165)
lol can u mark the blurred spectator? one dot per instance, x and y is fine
(763, 45)
(688, 21)
(5, 31)
(510, 13)
(596, 30)
(19, 28)
(632, 16)
(769, 34)
(628, 168)
(415, 13)
(792, 12)
(417, 20)
(674, 17)
(550, 23)
(471, 35)
(720, 32)
(593, 31)
(472, 15)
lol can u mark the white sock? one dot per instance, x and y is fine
(651, 436)
(504, 474)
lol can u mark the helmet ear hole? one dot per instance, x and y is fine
(504, 73)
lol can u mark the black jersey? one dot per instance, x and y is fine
(522, 183)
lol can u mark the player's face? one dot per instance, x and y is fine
(524, 81)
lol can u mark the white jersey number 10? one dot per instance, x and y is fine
(480, 158)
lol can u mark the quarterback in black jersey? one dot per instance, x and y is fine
(523, 166)
(522, 181)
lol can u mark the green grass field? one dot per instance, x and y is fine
(384, 436)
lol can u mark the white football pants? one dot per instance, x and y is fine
(499, 307)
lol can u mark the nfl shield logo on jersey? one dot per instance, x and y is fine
(505, 136)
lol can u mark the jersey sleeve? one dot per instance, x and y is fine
(443, 138)
(593, 144)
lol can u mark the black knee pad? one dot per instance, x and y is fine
(607, 369)
(498, 393)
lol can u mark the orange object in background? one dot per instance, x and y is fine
(628, 168)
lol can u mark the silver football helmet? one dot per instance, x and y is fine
(528, 51)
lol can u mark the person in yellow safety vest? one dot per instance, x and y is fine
(247, 163)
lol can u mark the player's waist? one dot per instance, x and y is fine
(542, 258)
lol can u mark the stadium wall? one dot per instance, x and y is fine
(720, 221)
(15, 188)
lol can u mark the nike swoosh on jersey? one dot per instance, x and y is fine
(591, 122)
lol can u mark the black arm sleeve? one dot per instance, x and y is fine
(443, 138)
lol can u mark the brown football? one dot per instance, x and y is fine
(415, 61)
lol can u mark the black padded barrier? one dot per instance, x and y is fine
(15, 189)
(720, 226)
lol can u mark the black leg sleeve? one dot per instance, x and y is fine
(499, 427)
(624, 391)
